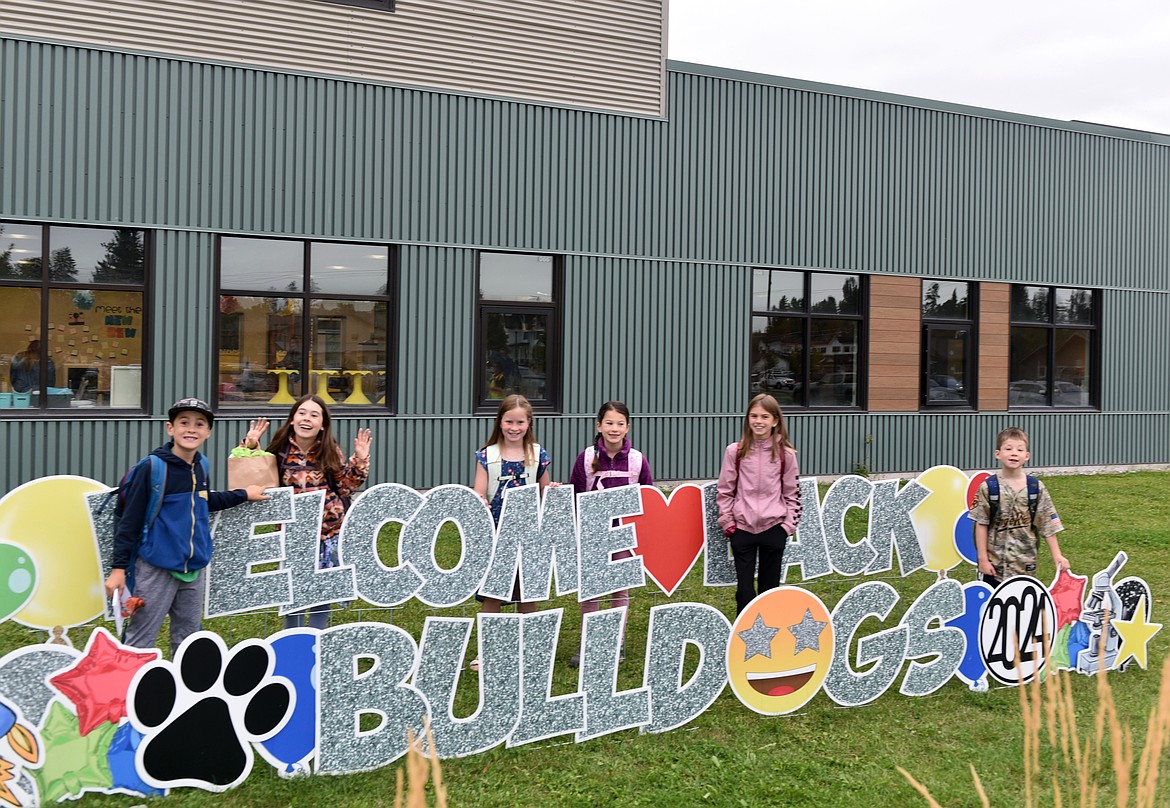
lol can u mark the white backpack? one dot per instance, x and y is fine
(495, 467)
(593, 478)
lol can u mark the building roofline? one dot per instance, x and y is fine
(804, 85)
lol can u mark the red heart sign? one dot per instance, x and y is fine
(670, 534)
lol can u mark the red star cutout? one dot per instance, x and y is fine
(98, 681)
(1068, 593)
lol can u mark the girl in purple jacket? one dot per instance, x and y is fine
(759, 497)
(609, 463)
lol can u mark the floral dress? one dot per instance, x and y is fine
(299, 470)
(513, 468)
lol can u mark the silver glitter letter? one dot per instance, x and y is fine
(599, 540)
(890, 526)
(358, 545)
(543, 717)
(718, 568)
(672, 627)
(943, 601)
(886, 649)
(848, 492)
(461, 506)
(232, 587)
(542, 534)
(807, 549)
(607, 710)
(345, 695)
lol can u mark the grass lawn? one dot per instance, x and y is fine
(823, 755)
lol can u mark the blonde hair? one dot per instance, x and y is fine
(1011, 433)
(510, 403)
(779, 435)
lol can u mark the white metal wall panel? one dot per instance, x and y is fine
(604, 54)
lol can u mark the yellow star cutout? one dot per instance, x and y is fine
(1135, 635)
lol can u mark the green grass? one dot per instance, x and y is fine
(823, 755)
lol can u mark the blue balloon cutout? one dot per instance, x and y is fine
(123, 772)
(975, 595)
(1078, 640)
(296, 660)
(965, 537)
(7, 718)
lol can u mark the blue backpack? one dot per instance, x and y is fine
(158, 486)
(993, 497)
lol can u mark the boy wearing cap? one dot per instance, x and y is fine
(168, 559)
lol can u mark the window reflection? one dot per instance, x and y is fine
(509, 276)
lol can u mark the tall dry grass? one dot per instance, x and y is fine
(419, 769)
(1054, 749)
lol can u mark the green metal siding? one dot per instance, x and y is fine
(659, 223)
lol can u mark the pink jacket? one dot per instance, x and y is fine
(758, 492)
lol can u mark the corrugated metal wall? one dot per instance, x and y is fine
(660, 223)
(605, 54)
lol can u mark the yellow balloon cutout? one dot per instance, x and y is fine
(934, 518)
(50, 520)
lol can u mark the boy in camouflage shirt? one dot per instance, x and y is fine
(1008, 548)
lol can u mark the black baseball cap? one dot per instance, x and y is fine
(192, 404)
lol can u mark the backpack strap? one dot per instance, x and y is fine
(1033, 495)
(158, 486)
(495, 467)
(992, 500)
(631, 475)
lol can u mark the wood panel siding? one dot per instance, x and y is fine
(994, 344)
(605, 54)
(895, 313)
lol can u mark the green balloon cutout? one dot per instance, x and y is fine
(18, 579)
(73, 763)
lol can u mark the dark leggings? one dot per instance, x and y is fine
(745, 547)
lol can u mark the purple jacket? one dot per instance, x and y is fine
(619, 462)
(758, 492)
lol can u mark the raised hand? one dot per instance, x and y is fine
(361, 444)
(256, 430)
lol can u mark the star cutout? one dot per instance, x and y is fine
(758, 639)
(807, 632)
(98, 681)
(1067, 592)
(1135, 636)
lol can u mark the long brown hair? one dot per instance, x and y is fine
(326, 450)
(780, 440)
(507, 405)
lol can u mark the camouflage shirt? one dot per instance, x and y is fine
(1012, 542)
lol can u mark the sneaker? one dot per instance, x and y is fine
(575, 660)
(474, 665)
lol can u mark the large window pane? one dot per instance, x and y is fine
(22, 345)
(1074, 306)
(835, 294)
(1028, 378)
(262, 265)
(774, 290)
(777, 357)
(833, 363)
(89, 255)
(266, 363)
(348, 269)
(347, 354)
(1070, 386)
(946, 365)
(20, 251)
(945, 300)
(510, 276)
(516, 354)
(1030, 304)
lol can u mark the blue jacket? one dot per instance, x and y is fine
(180, 538)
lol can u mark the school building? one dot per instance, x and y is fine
(417, 206)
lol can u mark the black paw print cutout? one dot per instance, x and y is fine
(201, 713)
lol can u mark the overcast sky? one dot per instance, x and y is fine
(1106, 62)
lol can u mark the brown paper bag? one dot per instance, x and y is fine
(254, 470)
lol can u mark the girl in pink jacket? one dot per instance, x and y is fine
(759, 497)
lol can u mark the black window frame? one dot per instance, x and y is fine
(45, 285)
(1052, 327)
(937, 322)
(307, 296)
(808, 317)
(554, 359)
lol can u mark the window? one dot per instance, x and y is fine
(1053, 347)
(72, 331)
(518, 324)
(806, 336)
(303, 316)
(947, 344)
